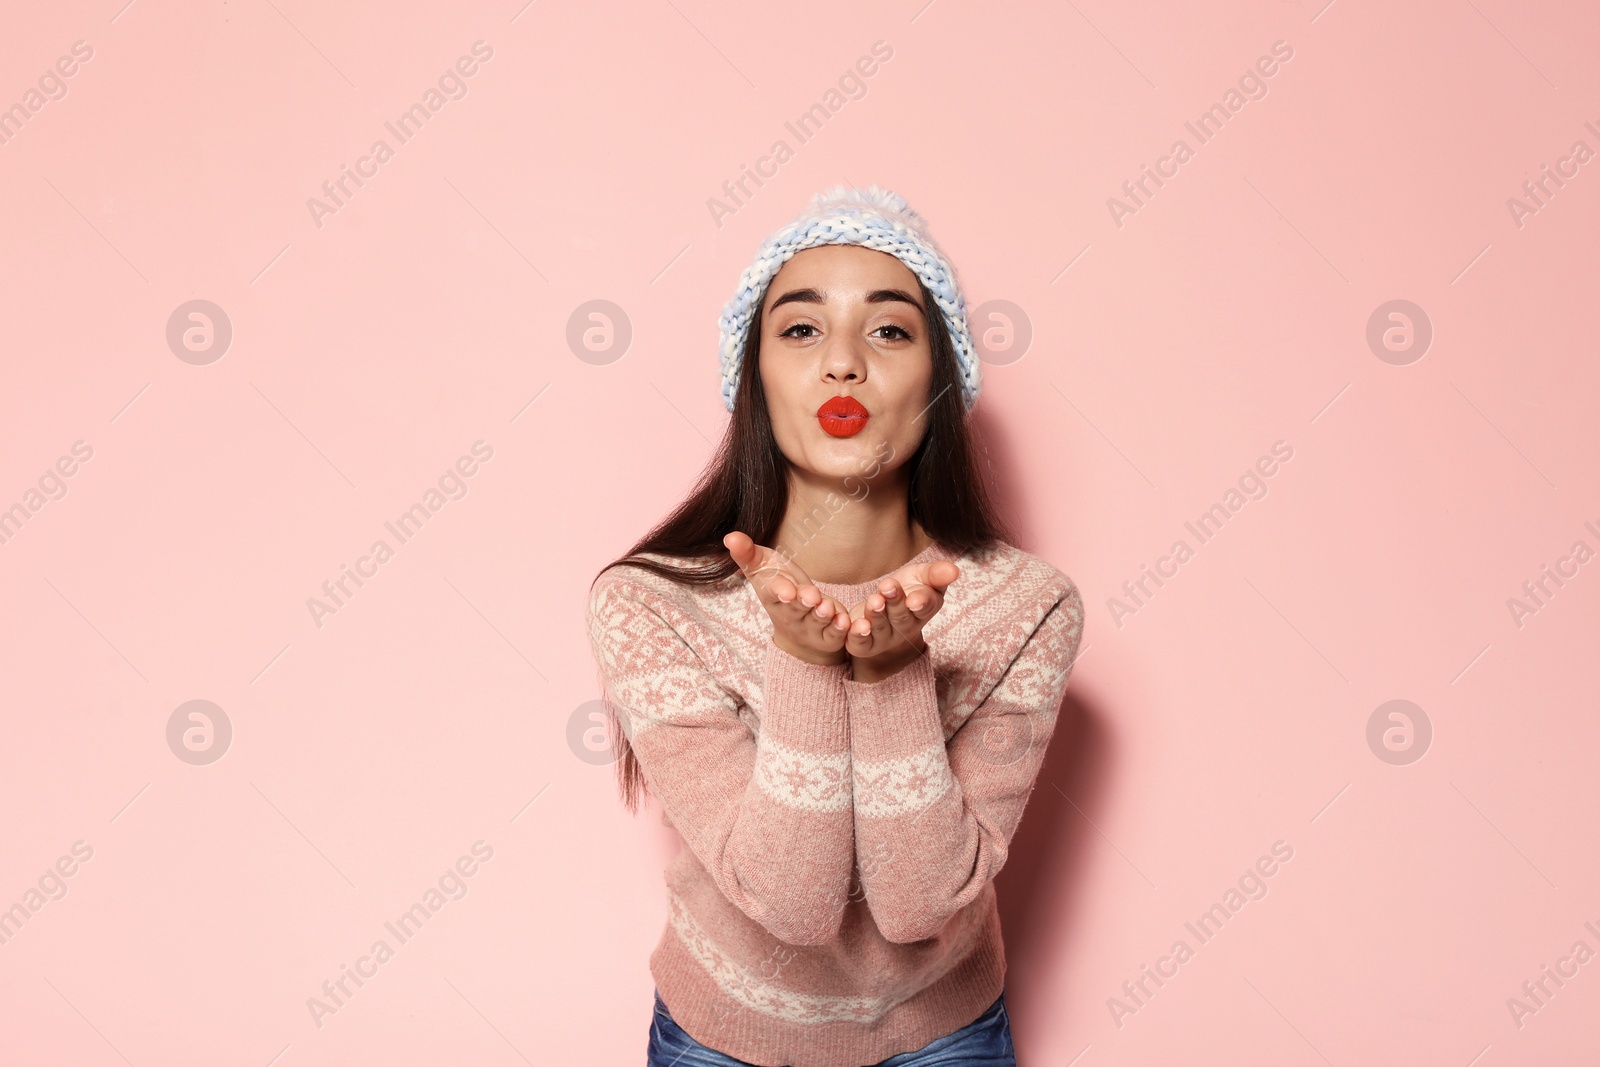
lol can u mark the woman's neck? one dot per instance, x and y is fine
(847, 540)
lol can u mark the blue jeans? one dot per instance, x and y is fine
(985, 1042)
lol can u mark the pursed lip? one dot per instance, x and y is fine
(842, 416)
(843, 407)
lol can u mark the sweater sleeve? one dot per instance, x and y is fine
(934, 820)
(770, 819)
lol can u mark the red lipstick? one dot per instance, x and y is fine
(842, 416)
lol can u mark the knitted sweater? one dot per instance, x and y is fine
(834, 905)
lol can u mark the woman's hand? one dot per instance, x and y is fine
(885, 632)
(805, 623)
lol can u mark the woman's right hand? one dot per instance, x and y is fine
(806, 623)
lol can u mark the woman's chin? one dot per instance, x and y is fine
(853, 467)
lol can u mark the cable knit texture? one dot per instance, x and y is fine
(834, 901)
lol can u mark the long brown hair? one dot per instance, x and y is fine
(745, 487)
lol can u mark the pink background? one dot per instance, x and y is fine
(436, 707)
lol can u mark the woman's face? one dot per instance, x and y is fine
(843, 320)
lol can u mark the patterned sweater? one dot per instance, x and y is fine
(834, 904)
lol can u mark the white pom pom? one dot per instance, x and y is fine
(873, 197)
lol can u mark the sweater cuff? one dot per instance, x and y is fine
(805, 704)
(897, 716)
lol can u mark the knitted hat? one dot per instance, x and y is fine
(874, 218)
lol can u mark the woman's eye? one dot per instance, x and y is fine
(797, 326)
(896, 329)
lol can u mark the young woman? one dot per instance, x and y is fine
(836, 673)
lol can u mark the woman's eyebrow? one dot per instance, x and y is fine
(815, 296)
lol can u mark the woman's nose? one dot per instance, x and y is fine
(843, 361)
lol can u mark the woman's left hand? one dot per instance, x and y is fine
(885, 632)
